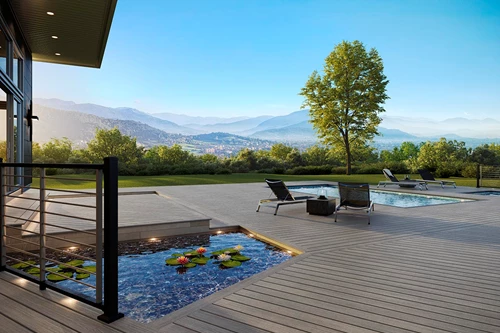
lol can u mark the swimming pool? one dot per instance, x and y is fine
(396, 199)
(491, 193)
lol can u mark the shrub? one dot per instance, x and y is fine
(222, 171)
(338, 170)
(469, 170)
(310, 170)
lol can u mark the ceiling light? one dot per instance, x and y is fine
(58, 54)
(55, 37)
(50, 13)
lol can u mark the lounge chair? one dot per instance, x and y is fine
(355, 196)
(283, 195)
(392, 180)
(429, 179)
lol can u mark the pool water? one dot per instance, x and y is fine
(493, 193)
(396, 199)
(149, 289)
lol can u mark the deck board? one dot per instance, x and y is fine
(428, 269)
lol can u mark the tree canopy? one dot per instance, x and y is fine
(344, 103)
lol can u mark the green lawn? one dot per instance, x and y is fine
(141, 181)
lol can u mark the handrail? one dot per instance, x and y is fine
(103, 240)
(55, 165)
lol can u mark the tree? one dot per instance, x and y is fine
(58, 150)
(113, 143)
(345, 102)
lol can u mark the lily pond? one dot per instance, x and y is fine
(149, 288)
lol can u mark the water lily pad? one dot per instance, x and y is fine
(190, 265)
(200, 260)
(53, 269)
(229, 250)
(231, 263)
(75, 263)
(33, 271)
(87, 268)
(58, 278)
(82, 276)
(23, 265)
(176, 255)
(240, 257)
(172, 262)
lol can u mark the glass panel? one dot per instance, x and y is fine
(16, 69)
(3, 125)
(3, 51)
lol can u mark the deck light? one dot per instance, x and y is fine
(58, 54)
(50, 13)
(55, 37)
(219, 232)
(290, 252)
(250, 235)
(153, 239)
(72, 248)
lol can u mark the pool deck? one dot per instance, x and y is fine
(424, 269)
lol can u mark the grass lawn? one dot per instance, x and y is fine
(142, 181)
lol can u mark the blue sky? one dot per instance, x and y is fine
(248, 58)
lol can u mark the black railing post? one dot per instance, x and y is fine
(110, 306)
(478, 175)
(3, 230)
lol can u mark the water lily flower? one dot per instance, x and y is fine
(182, 260)
(238, 247)
(201, 250)
(224, 257)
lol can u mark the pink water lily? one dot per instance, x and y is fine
(201, 250)
(182, 260)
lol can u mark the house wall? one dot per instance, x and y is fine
(25, 92)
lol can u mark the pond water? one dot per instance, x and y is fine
(149, 289)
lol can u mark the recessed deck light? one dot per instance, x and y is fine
(58, 54)
(219, 232)
(55, 37)
(51, 13)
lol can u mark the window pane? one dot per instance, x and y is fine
(16, 69)
(3, 52)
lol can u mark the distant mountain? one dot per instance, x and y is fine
(471, 128)
(236, 127)
(281, 121)
(302, 131)
(190, 121)
(80, 128)
(121, 113)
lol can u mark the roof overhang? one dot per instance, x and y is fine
(81, 27)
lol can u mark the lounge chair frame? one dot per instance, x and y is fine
(282, 195)
(428, 178)
(355, 196)
(392, 180)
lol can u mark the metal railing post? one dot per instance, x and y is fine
(478, 175)
(110, 307)
(98, 230)
(3, 228)
(42, 229)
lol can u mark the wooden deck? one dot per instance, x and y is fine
(428, 269)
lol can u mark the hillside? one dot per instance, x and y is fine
(80, 128)
(122, 113)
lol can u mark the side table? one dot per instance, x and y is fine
(317, 206)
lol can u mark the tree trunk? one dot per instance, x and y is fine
(348, 155)
(348, 166)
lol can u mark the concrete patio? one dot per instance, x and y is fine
(426, 269)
